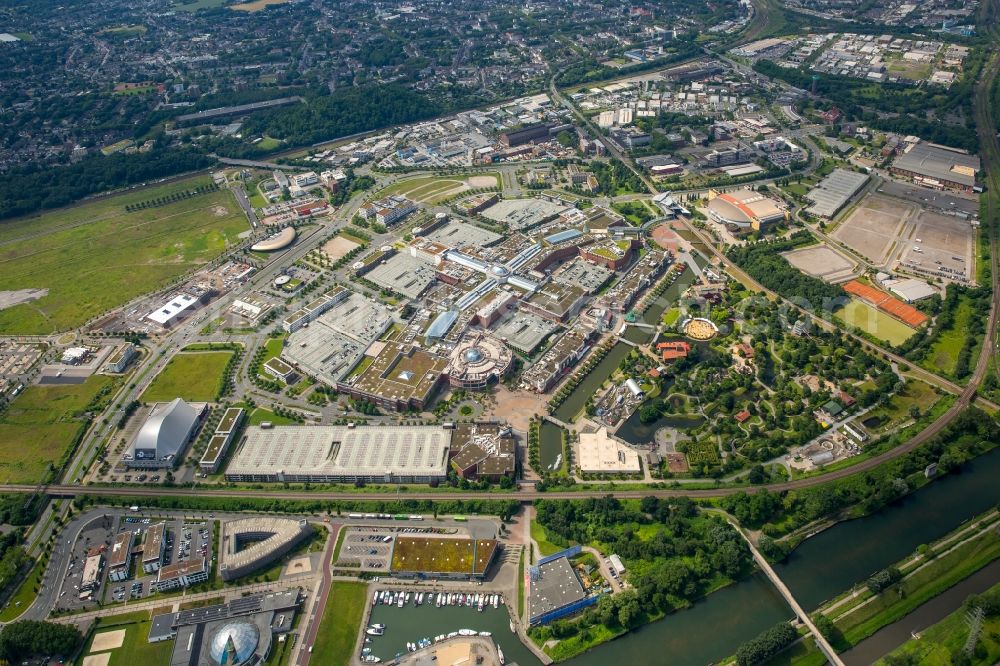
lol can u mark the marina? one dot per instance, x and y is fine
(429, 618)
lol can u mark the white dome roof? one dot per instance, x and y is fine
(234, 643)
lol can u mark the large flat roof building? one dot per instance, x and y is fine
(554, 587)
(600, 453)
(835, 191)
(399, 377)
(342, 454)
(937, 166)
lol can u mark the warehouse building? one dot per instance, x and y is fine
(342, 454)
(121, 555)
(938, 167)
(554, 590)
(834, 192)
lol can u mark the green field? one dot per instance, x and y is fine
(24, 596)
(262, 414)
(897, 409)
(874, 322)
(340, 625)
(193, 376)
(96, 256)
(434, 189)
(40, 425)
(944, 352)
(545, 547)
(135, 649)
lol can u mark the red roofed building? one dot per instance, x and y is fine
(673, 350)
(742, 416)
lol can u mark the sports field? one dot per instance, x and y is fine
(132, 646)
(435, 189)
(41, 424)
(874, 322)
(193, 376)
(97, 256)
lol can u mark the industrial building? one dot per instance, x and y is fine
(524, 330)
(938, 167)
(525, 135)
(252, 543)
(239, 633)
(478, 360)
(745, 209)
(342, 454)
(555, 590)
(600, 453)
(314, 309)
(442, 557)
(164, 436)
(834, 192)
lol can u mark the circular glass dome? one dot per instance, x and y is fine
(473, 355)
(500, 271)
(234, 643)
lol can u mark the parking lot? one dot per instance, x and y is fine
(370, 548)
(182, 540)
(874, 226)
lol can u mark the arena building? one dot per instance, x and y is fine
(342, 454)
(164, 436)
(744, 209)
(477, 360)
(252, 543)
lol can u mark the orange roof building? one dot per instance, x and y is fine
(673, 350)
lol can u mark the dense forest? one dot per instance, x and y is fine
(867, 102)
(765, 264)
(36, 187)
(340, 113)
(28, 638)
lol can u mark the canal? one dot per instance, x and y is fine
(834, 560)
(550, 445)
(659, 305)
(820, 568)
(411, 623)
(586, 388)
(709, 631)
